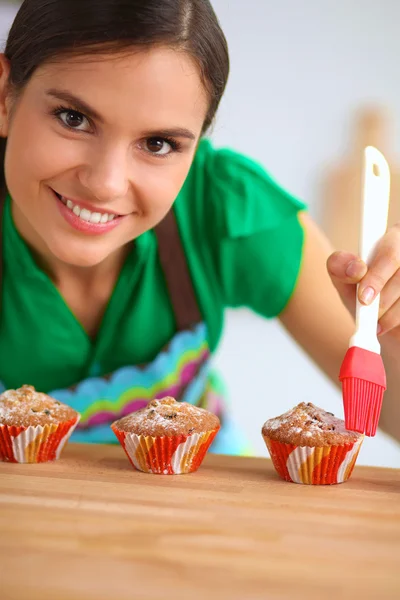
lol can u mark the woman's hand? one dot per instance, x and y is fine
(383, 276)
(318, 320)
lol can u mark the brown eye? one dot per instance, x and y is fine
(158, 146)
(74, 119)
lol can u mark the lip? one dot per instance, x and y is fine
(89, 206)
(85, 226)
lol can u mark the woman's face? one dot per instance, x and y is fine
(98, 149)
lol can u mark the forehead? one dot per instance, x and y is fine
(162, 82)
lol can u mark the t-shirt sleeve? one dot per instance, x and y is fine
(258, 238)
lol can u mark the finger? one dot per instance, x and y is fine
(346, 267)
(390, 294)
(345, 270)
(391, 319)
(383, 266)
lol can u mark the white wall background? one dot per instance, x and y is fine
(299, 69)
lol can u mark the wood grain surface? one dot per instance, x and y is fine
(89, 527)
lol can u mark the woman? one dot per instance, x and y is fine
(125, 234)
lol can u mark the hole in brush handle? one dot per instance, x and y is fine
(376, 170)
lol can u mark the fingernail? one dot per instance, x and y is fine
(368, 295)
(379, 329)
(353, 268)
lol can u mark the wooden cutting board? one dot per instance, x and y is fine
(341, 213)
(88, 527)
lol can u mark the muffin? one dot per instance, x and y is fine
(33, 426)
(309, 445)
(167, 437)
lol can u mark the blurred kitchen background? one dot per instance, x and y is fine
(310, 83)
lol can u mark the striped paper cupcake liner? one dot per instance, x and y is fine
(35, 444)
(174, 455)
(323, 465)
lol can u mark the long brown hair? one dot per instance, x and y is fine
(44, 30)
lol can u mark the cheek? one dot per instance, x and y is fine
(159, 185)
(36, 150)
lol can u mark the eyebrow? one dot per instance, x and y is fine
(82, 106)
(181, 132)
(79, 104)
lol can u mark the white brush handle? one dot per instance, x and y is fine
(375, 207)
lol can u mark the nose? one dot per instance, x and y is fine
(106, 174)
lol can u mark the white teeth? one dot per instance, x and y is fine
(95, 217)
(87, 215)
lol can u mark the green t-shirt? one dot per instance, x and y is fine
(243, 243)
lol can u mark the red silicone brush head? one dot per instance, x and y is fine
(363, 380)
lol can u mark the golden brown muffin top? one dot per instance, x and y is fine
(25, 406)
(308, 425)
(167, 417)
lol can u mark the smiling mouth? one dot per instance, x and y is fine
(86, 215)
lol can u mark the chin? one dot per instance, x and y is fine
(81, 256)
